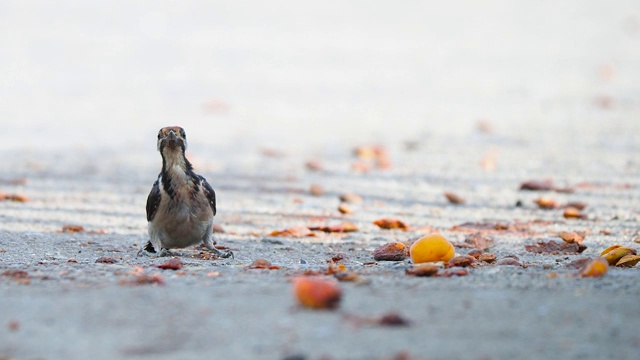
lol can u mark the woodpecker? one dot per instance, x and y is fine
(181, 204)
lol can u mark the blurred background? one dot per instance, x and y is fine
(286, 73)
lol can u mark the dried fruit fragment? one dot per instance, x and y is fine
(422, 270)
(476, 253)
(454, 198)
(388, 319)
(143, 279)
(614, 255)
(13, 197)
(316, 190)
(461, 261)
(106, 260)
(344, 209)
(377, 153)
(628, 261)
(487, 257)
(351, 198)
(394, 251)
(537, 185)
(262, 264)
(314, 165)
(171, 264)
(390, 223)
(350, 276)
(509, 262)
(19, 276)
(555, 247)
(595, 268)
(454, 272)
(546, 202)
(299, 231)
(430, 248)
(393, 319)
(70, 229)
(543, 185)
(317, 293)
(339, 257)
(571, 237)
(573, 213)
(342, 228)
(365, 152)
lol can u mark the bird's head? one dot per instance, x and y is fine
(172, 139)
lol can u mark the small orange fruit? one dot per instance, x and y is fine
(430, 248)
(317, 293)
(596, 268)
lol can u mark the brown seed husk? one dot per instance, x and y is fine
(423, 270)
(394, 251)
(571, 237)
(616, 254)
(487, 257)
(628, 261)
(461, 261)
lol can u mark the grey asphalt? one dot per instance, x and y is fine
(263, 89)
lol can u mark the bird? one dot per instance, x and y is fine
(181, 204)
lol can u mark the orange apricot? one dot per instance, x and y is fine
(316, 292)
(430, 248)
(596, 268)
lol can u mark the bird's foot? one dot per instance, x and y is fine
(219, 253)
(162, 253)
(143, 252)
(225, 254)
(165, 252)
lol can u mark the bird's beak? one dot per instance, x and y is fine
(172, 136)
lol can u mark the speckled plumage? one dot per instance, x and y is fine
(181, 204)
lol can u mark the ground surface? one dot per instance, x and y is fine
(262, 92)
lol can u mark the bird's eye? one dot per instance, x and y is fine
(159, 135)
(183, 134)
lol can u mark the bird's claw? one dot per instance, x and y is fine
(143, 252)
(162, 253)
(165, 252)
(225, 254)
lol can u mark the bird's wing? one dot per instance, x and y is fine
(209, 193)
(153, 201)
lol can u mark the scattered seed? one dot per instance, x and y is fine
(171, 264)
(316, 190)
(394, 251)
(106, 260)
(350, 198)
(391, 223)
(509, 262)
(422, 270)
(461, 261)
(454, 198)
(487, 257)
(344, 209)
